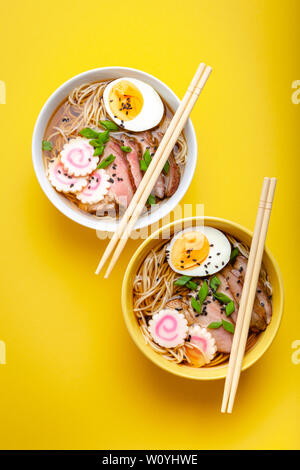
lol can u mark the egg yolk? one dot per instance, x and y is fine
(190, 250)
(125, 100)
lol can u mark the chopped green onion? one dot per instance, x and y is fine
(182, 280)
(109, 125)
(143, 165)
(234, 254)
(192, 285)
(98, 151)
(215, 324)
(103, 137)
(229, 308)
(107, 161)
(196, 305)
(222, 297)
(228, 326)
(126, 149)
(94, 143)
(89, 133)
(46, 145)
(214, 283)
(202, 294)
(147, 157)
(166, 167)
(151, 200)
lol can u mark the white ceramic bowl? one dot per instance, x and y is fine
(65, 206)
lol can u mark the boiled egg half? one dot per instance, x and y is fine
(132, 104)
(198, 251)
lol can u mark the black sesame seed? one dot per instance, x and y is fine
(71, 185)
(258, 291)
(237, 294)
(218, 254)
(262, 304)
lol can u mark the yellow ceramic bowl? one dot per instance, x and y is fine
(218, 372)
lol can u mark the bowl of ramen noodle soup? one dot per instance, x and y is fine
(94, 140)
(181, 295)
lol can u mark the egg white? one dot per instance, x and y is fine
(151, 113)
(216, 262)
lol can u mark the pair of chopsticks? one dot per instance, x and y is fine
(160, 158)
(248, 294)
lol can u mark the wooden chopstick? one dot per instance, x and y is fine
(147, 188)
(245, 292)
(123, 222)
(251, 294)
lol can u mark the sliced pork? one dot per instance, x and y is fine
(173, 177)
(133, 159)
(262, 308)
(148, 144)
(225, 289)
(214, 312)
(121, 189)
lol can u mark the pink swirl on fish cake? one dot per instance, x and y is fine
(61, 180)
(98, 185)
(168, 328)
(77, 157)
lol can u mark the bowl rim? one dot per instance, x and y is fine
(72, 213)
(185, 371)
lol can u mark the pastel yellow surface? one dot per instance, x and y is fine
(73, 378)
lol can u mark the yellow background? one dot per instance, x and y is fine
(73, 378)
